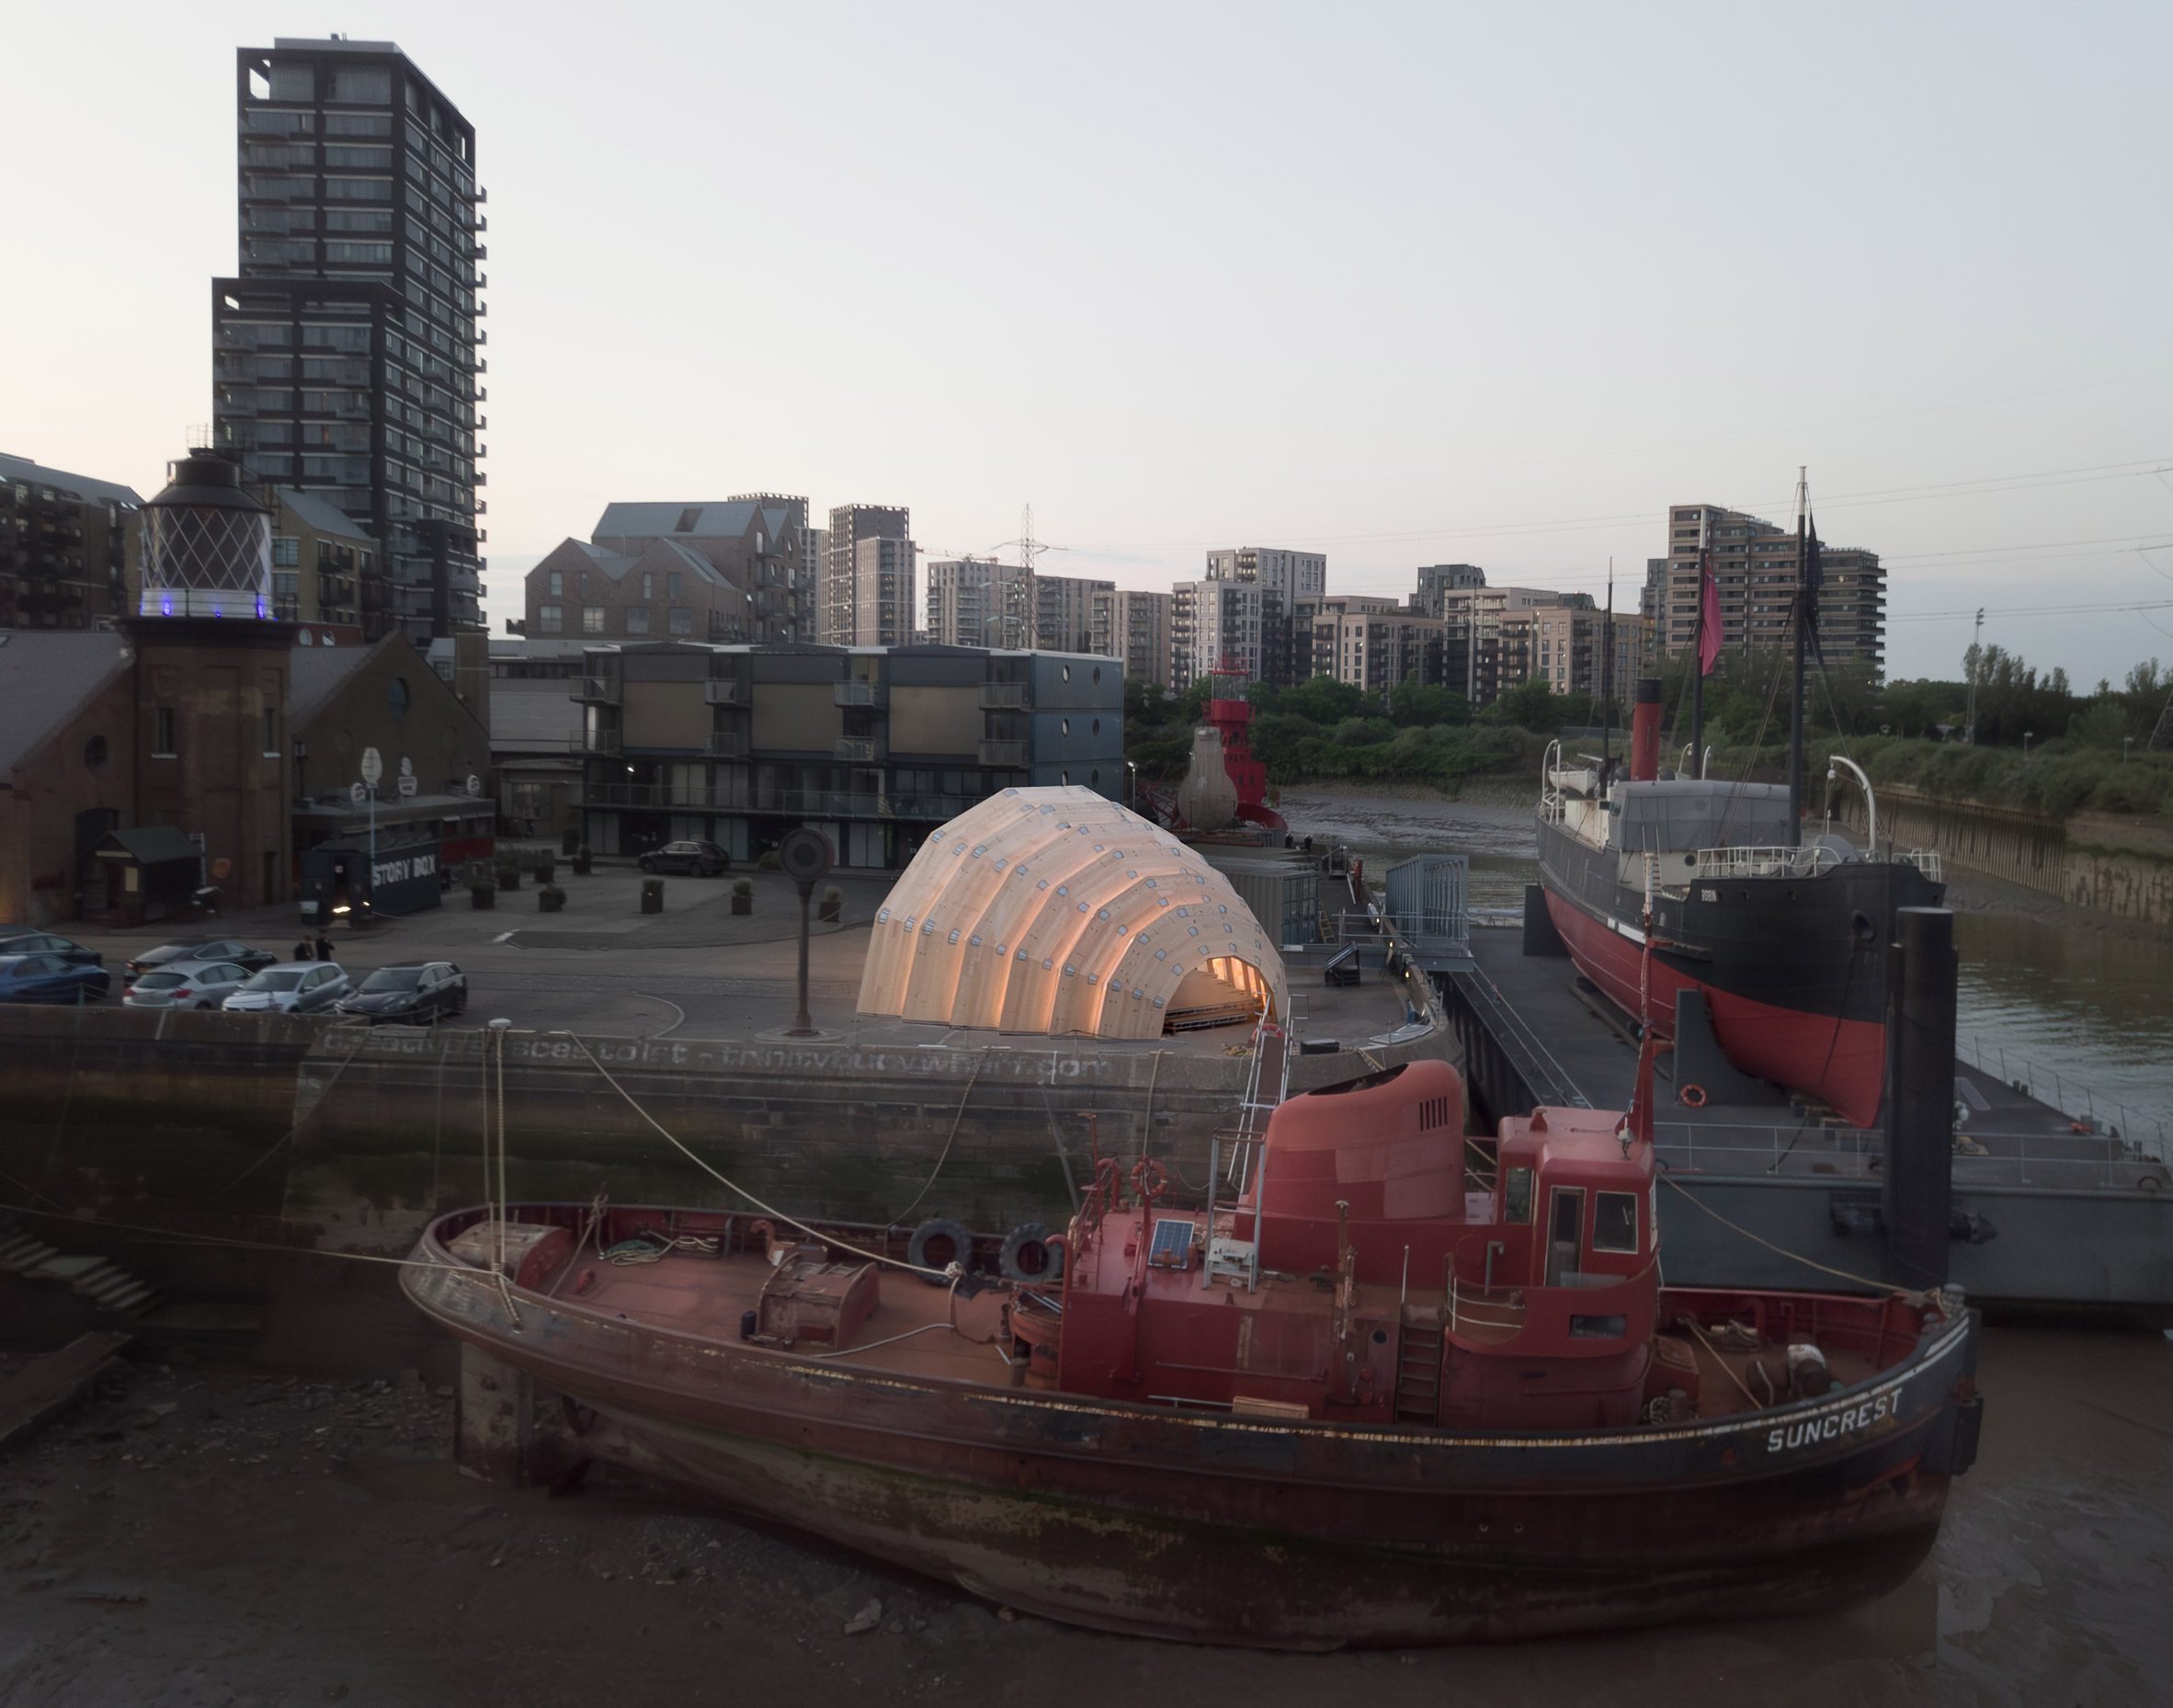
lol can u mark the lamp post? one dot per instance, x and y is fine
(2028, 736)
(1131, 783)
(2126, 741)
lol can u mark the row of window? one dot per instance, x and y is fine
(551, 620)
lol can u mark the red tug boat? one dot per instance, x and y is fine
(1400, 1389)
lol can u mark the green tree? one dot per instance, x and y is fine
(1413, 702)
(1531, 705)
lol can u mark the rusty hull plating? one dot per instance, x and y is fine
(1372, 1401)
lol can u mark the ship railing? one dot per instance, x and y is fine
(1765, 862)
(2080, 1162)
(1491, 1313)
(2070, 1097)
(1550, 804)
(1926, 860)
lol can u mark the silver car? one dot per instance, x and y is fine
(291, 988)
(184, 984)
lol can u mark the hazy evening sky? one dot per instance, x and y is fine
(1406, 285)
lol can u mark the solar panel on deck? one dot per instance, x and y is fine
(1172, 1247)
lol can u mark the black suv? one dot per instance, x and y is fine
(415, 992)
(207, 948)
(701, 859)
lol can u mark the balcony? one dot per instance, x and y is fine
(603, 741)
(727, 745)
(1005, 697)
(859, 694)
(596, 690)
(1003, 755)
(862, 749)
(723, 691)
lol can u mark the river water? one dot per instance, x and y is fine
(2084, 1013)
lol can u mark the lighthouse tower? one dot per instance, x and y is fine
(211, 681)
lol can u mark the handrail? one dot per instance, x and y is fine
(1870, 802)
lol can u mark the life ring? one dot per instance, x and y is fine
(1148, 1178)
(936, 1244)
(1032, 1253)
(1691, 1096)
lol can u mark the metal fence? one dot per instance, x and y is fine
(2032, 1079)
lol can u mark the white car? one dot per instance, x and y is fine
(291, 988)
(184, 984)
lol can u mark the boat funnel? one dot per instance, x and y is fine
(1645, 731)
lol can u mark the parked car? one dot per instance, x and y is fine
(51, 978)
(185, 985)
(291, 988)
(208, 949)
(21, 940)
(702, 860)
(414, 993)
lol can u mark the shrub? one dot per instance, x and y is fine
(769, 861)
(743, 886)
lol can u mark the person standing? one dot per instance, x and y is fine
(302, 949)
(324, 947)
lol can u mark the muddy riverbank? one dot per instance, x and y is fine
(204, 1534)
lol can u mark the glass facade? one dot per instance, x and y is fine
(347, 352)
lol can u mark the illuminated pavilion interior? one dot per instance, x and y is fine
(1054, 910)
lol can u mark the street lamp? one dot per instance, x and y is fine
(2126, 741)
(2028, 736)
(1131, 783)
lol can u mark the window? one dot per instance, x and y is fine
(637, 619)
(164, 745)
(362, 85)
(1614, 1222)
(271, 732)
(558, 583)
(1516, 1197)
(648, 584)
(95, 756)
(671, 585)
(286, 552)
(549, 619)
(396, 697)
(682, 619)
(592, 619)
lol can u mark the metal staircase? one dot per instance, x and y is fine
(111, 1289)
(1418, 1371)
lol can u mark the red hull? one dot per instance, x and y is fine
(1841, 1062)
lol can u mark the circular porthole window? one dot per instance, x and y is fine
(1098, 673)
(96, 754)
(396, 696)
(1064, 725)
(1067, 672)
(1097, 726)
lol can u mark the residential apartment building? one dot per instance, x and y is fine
(1473, 637)
(753, 541)
(1755, 574)
(978, 601)
(1133, 628)
(807, 583)
(883, 601)
(322, 559)
(1063, 612)
(850, 525)
(1222, 625)
(1283, 578)
(876, 747)
(1438, 580)
(1373, 644)
(345, 352)
(667, 590)
(64, 543)
(1567, 648)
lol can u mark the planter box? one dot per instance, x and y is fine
(509, 880)
(828, 911)
(580, 866)
(483, 898)
(743, 904)
(550, 904)
(652, 904)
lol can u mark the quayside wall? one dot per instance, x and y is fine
(2064, 859)
(296, 1132)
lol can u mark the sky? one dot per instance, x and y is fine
(1402, 284)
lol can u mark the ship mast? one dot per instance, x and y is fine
(1607, 683)
(1795, 708)
(1697, 644)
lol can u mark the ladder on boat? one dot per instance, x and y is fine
(1418, 1371)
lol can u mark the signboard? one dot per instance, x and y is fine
(358, 794)
(373, 767)
(408, 783)
(474, 784)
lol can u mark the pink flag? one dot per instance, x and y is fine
(1708, 618)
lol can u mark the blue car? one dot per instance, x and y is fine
(15, 940)
(50, 978)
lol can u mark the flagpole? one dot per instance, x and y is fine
(1795, 720)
